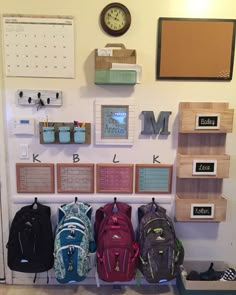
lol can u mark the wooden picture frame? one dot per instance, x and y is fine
(195, 49)
(35, 178)
(75, 178)
(114, 178)
(114, 122)
(153, 178)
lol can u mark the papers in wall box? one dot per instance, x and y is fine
(115, 77)
(187, 287)
(113, 53)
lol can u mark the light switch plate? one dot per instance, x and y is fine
(24, 151)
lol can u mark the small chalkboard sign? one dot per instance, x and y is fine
(202, 211)
(204, 167)
(207, 121)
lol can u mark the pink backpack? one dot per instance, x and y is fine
(117, 250)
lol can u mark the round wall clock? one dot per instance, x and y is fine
(115, 19)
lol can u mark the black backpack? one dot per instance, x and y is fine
(30, 244)
(161, 253)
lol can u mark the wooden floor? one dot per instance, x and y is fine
(85, 290)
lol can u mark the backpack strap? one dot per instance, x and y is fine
(150, 207)
(99, 215)
(77, 206)
(122, 207)
(107, 210)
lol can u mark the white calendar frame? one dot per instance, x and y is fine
(39, 46)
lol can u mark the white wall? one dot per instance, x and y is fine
(205, 241)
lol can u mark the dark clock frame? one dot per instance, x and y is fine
(115, 33)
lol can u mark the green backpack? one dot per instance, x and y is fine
(74, 246)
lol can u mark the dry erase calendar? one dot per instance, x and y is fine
(39, 46)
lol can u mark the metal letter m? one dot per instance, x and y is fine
(151, 126)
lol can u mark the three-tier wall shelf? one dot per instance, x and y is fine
(201, 161)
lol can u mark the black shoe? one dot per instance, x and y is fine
(193, 276)
(211, 274)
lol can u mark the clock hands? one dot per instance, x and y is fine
(114, 17)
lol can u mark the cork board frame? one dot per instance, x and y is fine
(35, 178)
(153, 178)
(195, 49)
(75, 178)
(114, 178)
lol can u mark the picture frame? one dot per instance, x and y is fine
(35, 178)
(75, 178)
(195, 49)
(153, 178)
(114, 178)
(202, 211)
(204, 167)
(207, 121)
(114, 122)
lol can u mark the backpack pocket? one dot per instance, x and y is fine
(117, 263)
(158, 265)
(71, 264)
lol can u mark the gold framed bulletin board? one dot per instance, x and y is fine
(153, 178)
(35, 178)
(114, 178)
(75, 178)
(195, 49)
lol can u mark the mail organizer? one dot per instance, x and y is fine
(115, 65)
(202, 162)
(203, 166)
(200, 209)
(65, 133)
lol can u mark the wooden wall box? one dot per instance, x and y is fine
(197, 287)
(188, 120)
(186, 167)
(202, 163)
(184, 208)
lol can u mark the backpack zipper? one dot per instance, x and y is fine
(71, 223)
(150, 266)
(64, 229)
(21, 247)
(68, 246)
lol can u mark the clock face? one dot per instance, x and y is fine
(115, 19)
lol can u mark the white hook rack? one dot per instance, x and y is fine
(27, 97)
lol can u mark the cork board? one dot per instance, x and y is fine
(75, 178)
(153, 178)
(35, 178)
(198, 49)
(114, 178)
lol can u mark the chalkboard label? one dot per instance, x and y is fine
(204, 167)
(207, 121)
(202, 210)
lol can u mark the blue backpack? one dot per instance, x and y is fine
(74, 245)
